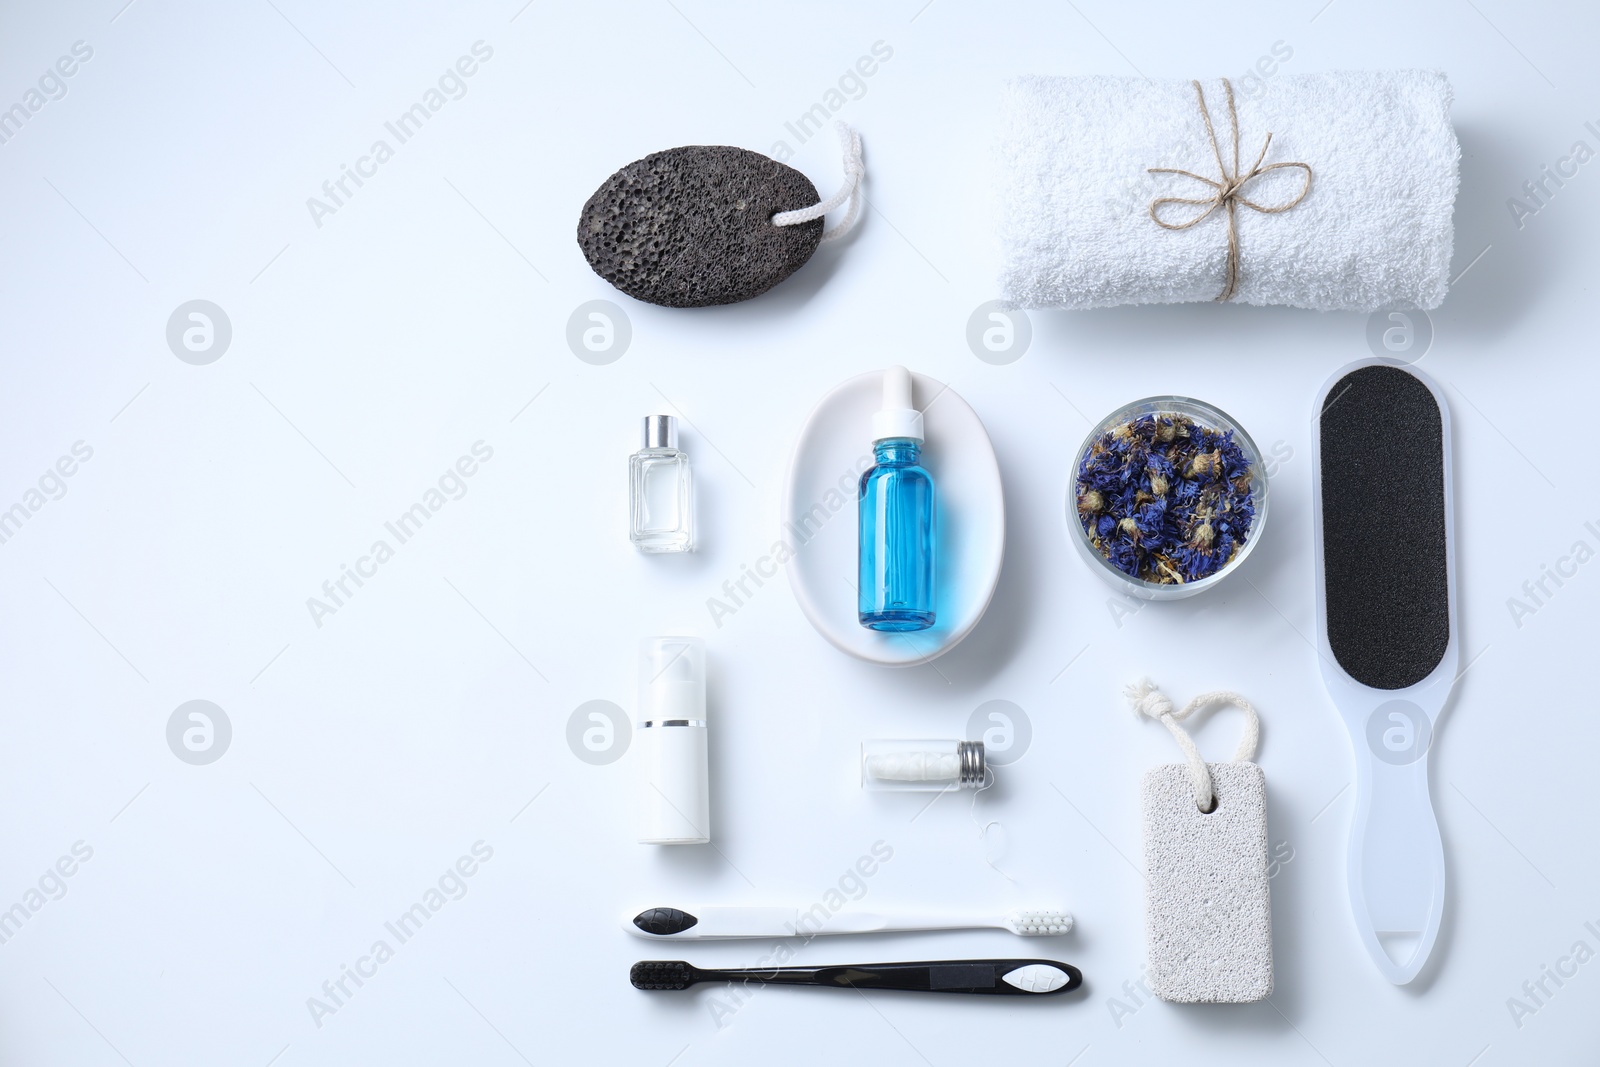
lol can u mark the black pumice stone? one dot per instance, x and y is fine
(692, 226)
(1386, 575)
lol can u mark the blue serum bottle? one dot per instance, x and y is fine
(895, 591)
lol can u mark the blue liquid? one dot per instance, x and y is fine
(895, 564)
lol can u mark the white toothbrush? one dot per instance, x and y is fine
(706, 923)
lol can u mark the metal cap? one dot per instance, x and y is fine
(660, 431)
(974, 764)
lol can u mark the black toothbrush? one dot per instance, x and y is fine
(1024, 978)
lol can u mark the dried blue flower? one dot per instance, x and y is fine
(1166, 499)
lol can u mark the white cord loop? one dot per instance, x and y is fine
(1147, 699)
(854, 172)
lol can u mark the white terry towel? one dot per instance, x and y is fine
(1074, 191)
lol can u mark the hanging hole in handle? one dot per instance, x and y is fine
(1211, 809)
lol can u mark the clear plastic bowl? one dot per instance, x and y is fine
(1205, 415)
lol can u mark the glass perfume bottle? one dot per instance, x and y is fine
(660, 493)
(895, 590)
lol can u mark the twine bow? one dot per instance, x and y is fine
(1228, 188)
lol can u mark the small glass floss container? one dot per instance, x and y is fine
(920, 766)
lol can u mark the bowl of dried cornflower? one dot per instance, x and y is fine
(1169, 497)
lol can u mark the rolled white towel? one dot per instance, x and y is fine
(1374, 230)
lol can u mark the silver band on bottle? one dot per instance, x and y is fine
(973, 764)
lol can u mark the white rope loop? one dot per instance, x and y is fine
(854, 172)
(1147, 699)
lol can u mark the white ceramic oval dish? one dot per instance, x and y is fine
(820, 519)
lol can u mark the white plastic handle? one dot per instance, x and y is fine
(1396, 869)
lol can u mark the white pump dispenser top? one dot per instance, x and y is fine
(897, 418)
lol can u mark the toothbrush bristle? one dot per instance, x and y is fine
(661, 974)
(1040, 923)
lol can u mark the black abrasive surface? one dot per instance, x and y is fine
(692, 226)
(1385, 570)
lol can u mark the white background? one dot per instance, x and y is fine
(371, 752)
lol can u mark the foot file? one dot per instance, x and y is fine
(1386, 634)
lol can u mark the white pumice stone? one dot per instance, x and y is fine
(1208, 913)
